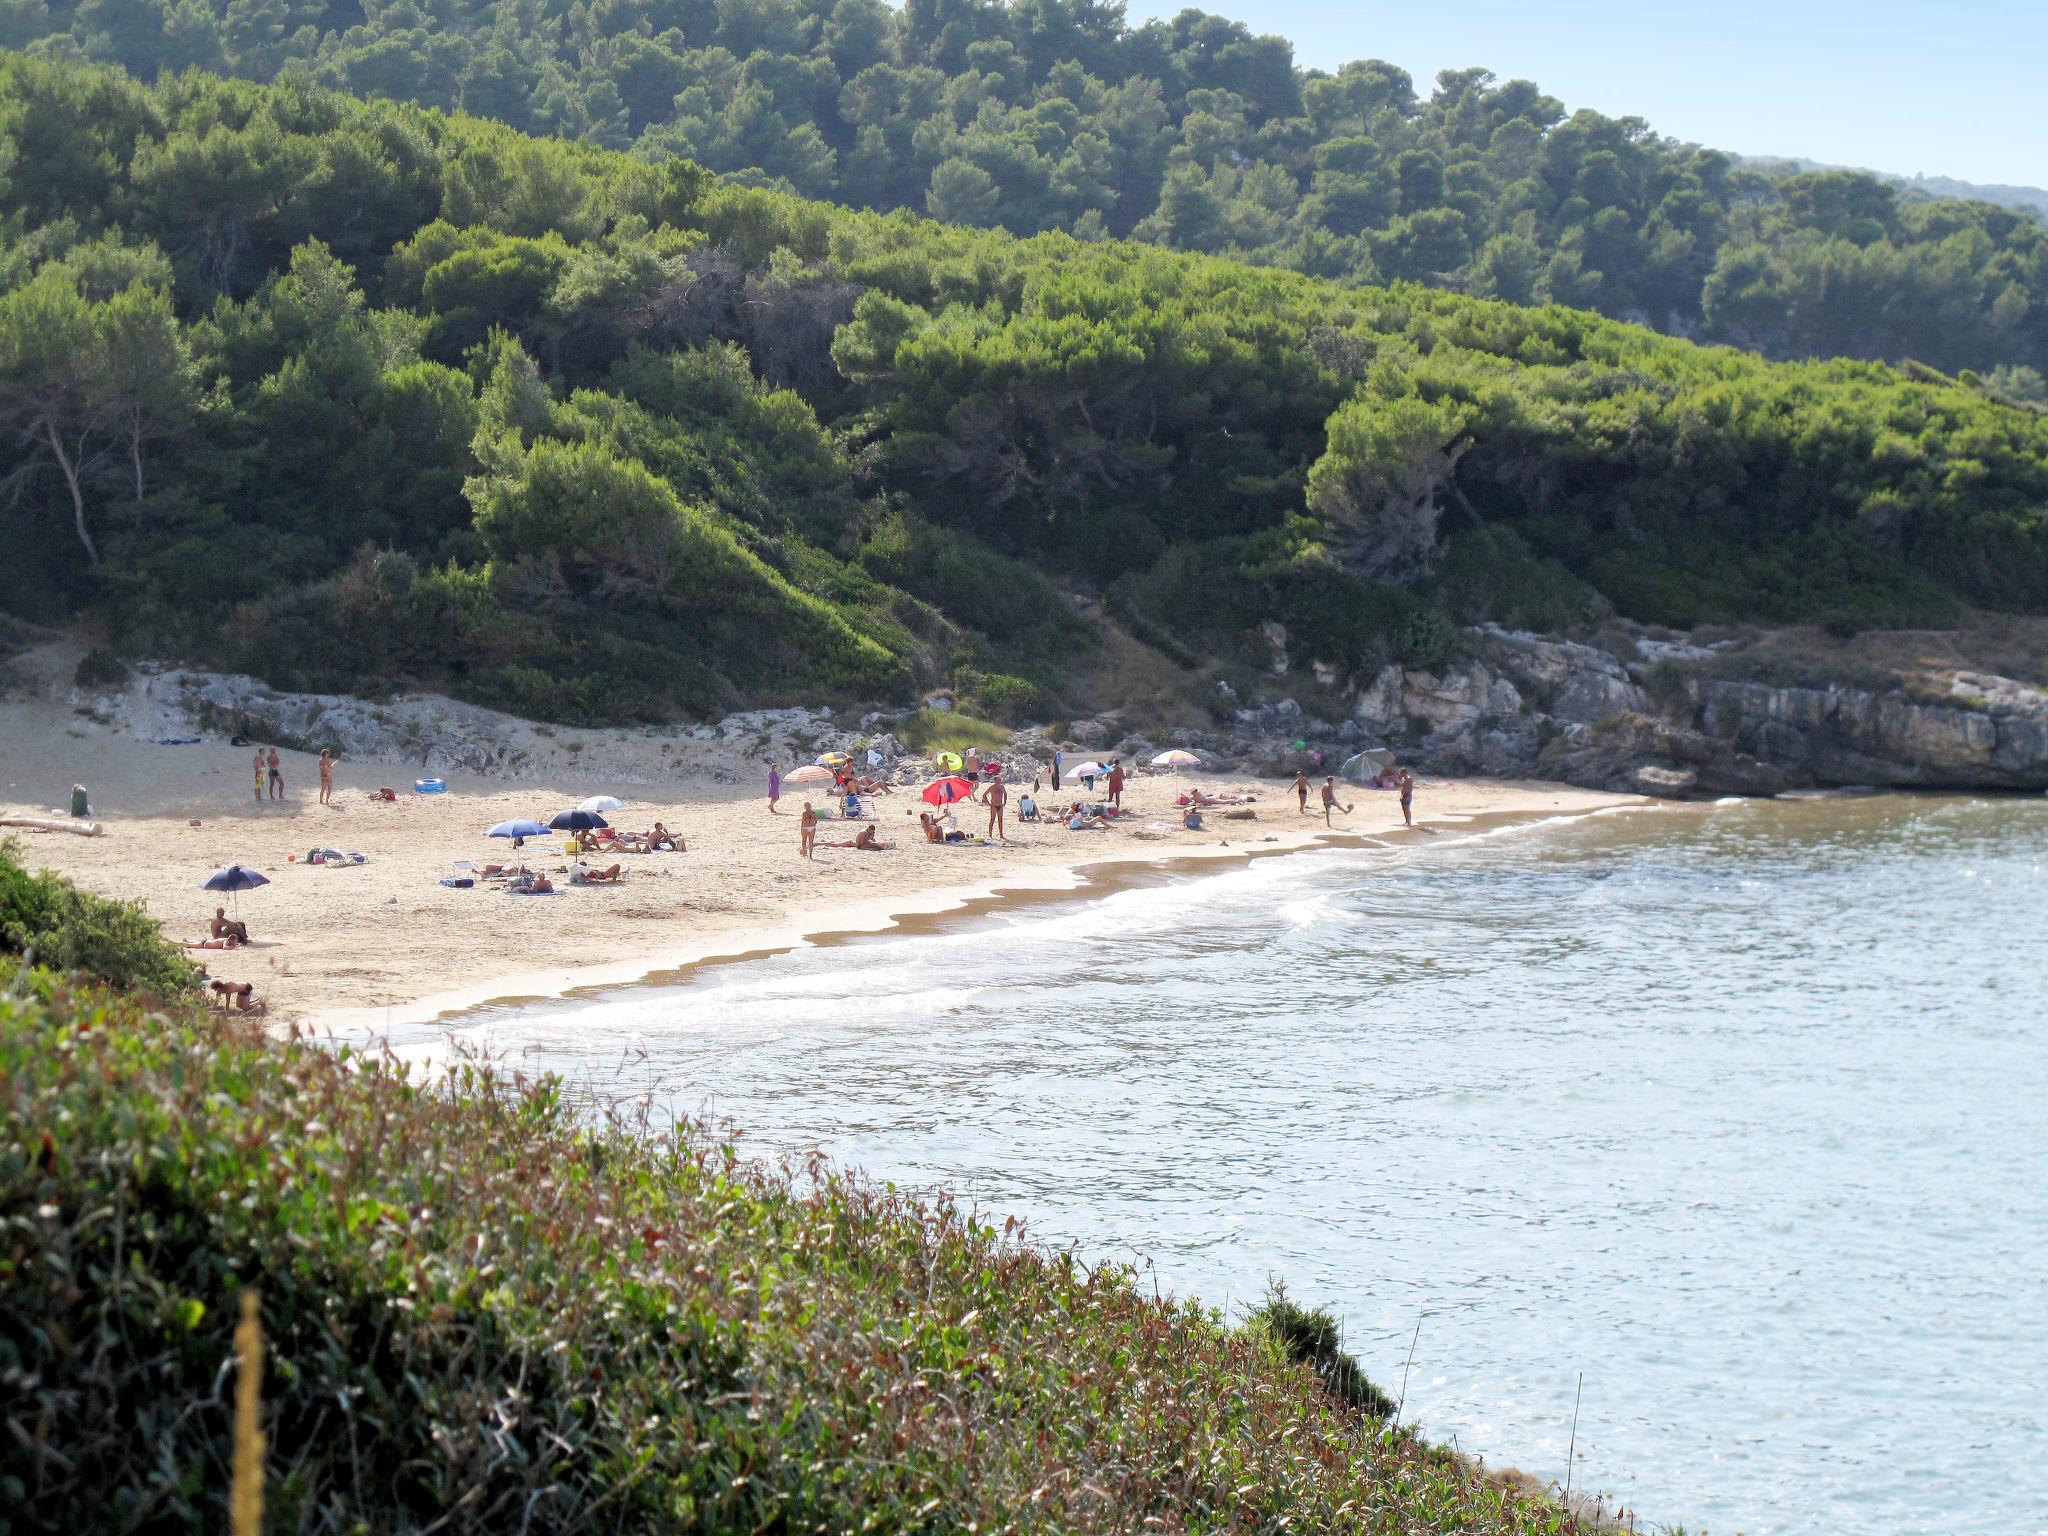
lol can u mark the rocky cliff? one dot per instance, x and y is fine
(1662, 716)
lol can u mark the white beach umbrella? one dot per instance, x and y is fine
(1177, 758)
(602, 804)
(810, 773)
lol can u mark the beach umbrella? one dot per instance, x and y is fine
(1176, 759)
(601, 803)
(950, 761)
(833, 760)
(517, 829)
(1088, 770)
(577, 821)
(945, 791)
(1357, 770)
(810, 773)
(234, 879)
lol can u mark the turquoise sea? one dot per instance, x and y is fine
(1741, 1111)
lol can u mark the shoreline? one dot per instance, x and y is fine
(385, 942)
(931, 910)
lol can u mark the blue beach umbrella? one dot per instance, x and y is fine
(517, 829)
(578, 821)
(232, 879)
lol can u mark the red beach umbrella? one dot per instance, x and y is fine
(945, 791)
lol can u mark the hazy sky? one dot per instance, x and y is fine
(1957, 89)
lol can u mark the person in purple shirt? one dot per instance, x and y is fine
(774, 786)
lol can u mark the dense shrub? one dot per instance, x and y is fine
(1310, 1335)
(45, 917)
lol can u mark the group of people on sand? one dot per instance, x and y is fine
(270, 775)
(1388, 777)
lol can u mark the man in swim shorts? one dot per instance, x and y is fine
(276, 776)
(1301, 788)
(996, 798)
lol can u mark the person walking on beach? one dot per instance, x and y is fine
(1301, 788)
(1330, 800)
(276, 776)
(1407, 797)
(774, 787)
(807, 831)
(1056, 770)
(261, 768)
(326, 775)
(997, 798)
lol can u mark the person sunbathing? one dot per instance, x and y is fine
(225, 927)
(868, 840)
(933, 833)
(585, 875)
(1081, 821)
(230, 942)
(525, 884)
(661, 840)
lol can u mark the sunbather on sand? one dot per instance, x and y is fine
(661, 840)
(868, 840)
(583, 874)
(1079, 820)
(225, 927)
(933, 833)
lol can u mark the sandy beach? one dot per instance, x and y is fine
(384, 940)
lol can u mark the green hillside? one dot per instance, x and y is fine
(1194, 133)
(488, 1309)
(351, 394)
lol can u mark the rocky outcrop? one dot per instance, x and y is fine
(1654, 715)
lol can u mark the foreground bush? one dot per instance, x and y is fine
(64, 928)
(488, 1314)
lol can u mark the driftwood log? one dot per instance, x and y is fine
(52, 824)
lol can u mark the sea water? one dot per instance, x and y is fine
(1739, 1113)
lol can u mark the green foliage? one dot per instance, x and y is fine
(1194, 133)
(100, 669)
(948, 730)
(1310, 1337)
(44, 918)
(354, 394)
(477, 1301)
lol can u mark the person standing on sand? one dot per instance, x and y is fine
(807, 831)
(261, 767)
(997, 798)
(1056, 770)
(1407, 797)
(326, 775)
(1116, 783)
(774, 787)
(276, 776)
(1301, 788)
(1330, 800)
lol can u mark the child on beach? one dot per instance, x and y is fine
(807, 831)
(1407, 797)
(326, 775)
(1301, 788)
(261, 766)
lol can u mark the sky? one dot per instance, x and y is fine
(1947, 89)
